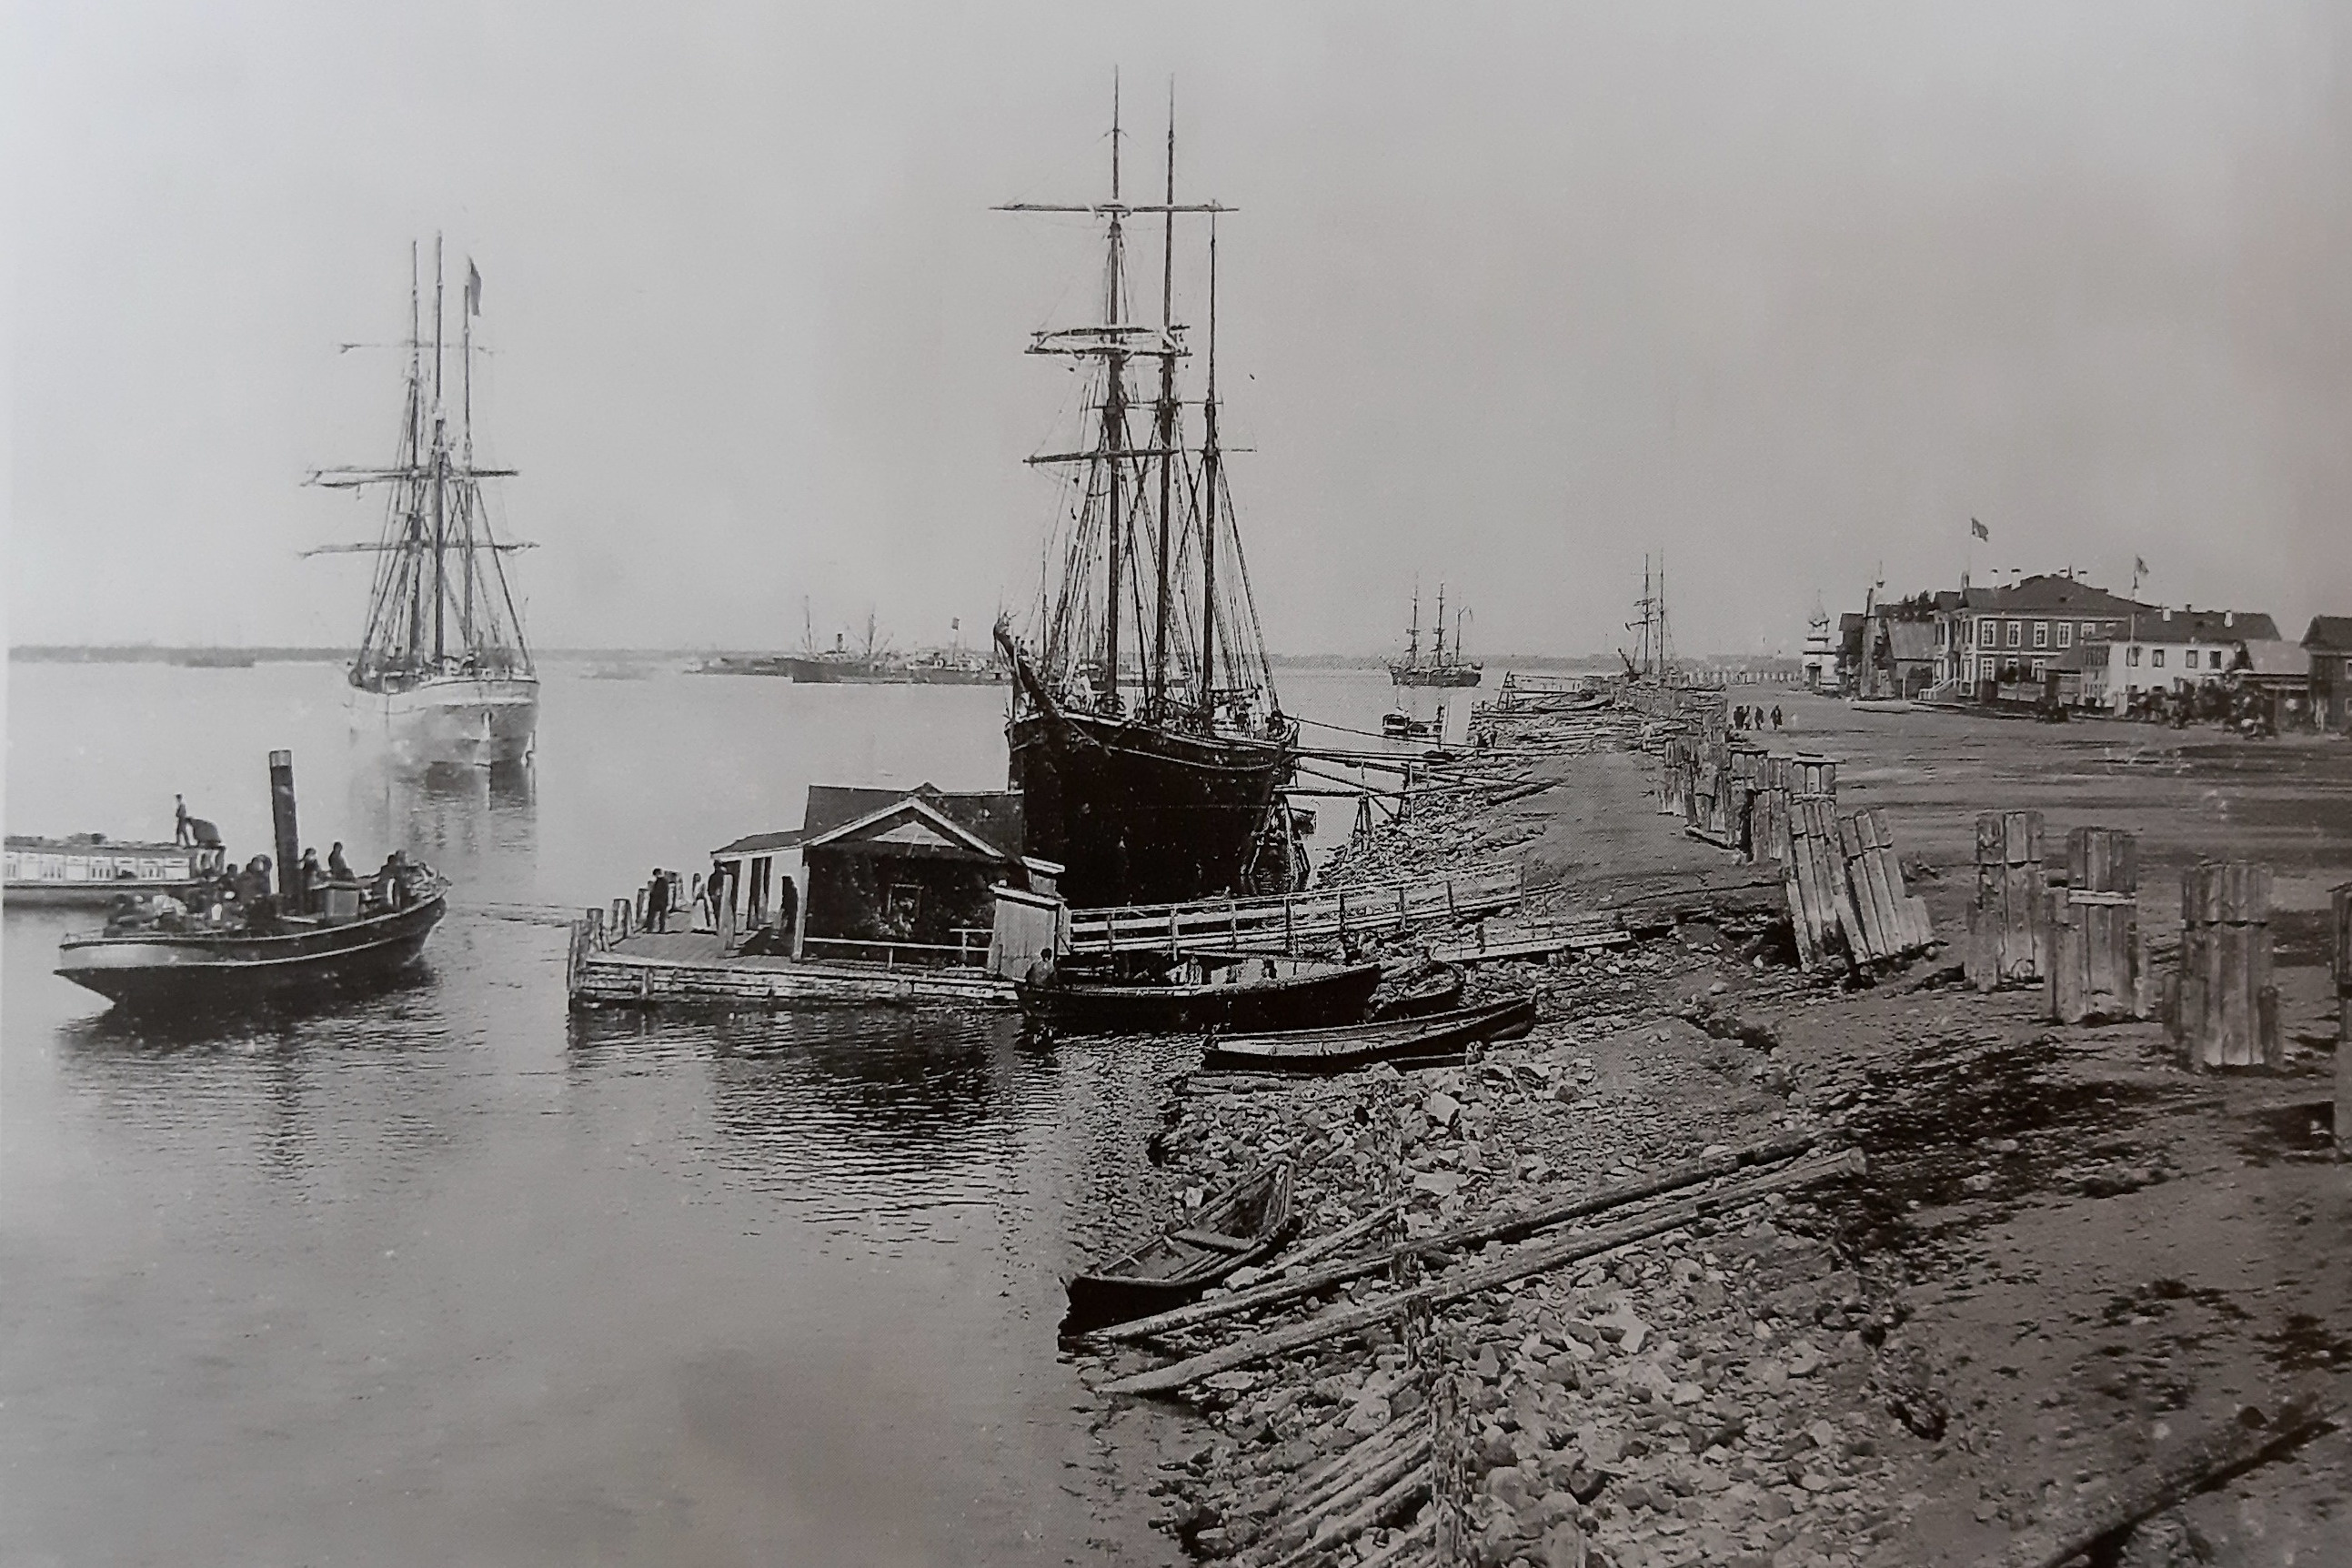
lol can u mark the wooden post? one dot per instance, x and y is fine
(2095, 947)
(2340, 967)
(2226, 1008)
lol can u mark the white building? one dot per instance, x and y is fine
(2170, 651)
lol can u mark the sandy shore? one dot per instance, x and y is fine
(2069, 1258)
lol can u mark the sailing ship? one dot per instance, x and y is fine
(1652, 660)
(443, 674)
(1443, 667)
(1147, 740)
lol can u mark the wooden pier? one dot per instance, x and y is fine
(646, 969)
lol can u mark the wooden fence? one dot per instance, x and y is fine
(2340, 966)
(1267, 925)
(2008, 915)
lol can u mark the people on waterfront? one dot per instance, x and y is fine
(337, 868)
(311, 877)
(657, 902)
(1776, 715)
(180, 819)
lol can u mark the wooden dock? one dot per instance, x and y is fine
(656, 969)
(1280, 924)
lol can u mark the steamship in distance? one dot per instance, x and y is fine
(1146, 738)
(443, 674)
(873, 665)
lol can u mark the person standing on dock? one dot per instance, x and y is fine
(180, 832)
(657, 902)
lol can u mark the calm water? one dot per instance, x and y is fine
(444, 1276)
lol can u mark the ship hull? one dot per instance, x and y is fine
(153, 971)
(461, 721)
(1140, 814)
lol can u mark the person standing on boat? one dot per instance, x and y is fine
(337, 868)
(180, 831)
(312, 877)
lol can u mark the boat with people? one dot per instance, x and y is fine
(1443, 667)
(1431, 1039)
(1146, 737)
(238, 936)
(443, 674)
(1232, 1229)
(1200, 991)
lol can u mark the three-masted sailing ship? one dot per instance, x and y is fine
(1147, 740)
(1443, 667)
(441, 675)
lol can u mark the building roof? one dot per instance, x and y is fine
(2332, 633)
(986, 822)
(1909, 640)
(2199, 625)
(2051, 593)
(2277, 656)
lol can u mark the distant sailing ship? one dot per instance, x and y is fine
(443, 674)
(1442, 668)
(1147, 740)
(1652, 658)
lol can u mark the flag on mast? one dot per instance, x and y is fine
(473, 288)
(1980, 530)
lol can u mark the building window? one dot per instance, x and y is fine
(2131, 656)
(2013, 632)
(2041, 667)
(2213, 660)
(2090, 628)
(2155, 658)
(2065, 634)
(2042, 633)
(1984, 632)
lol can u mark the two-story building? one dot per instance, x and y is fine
(2176, 650)
(2016, 634)
(2329, 644)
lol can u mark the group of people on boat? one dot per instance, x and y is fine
(244, 898)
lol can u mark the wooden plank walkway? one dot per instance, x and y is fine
(1254, 925)
(649, 969)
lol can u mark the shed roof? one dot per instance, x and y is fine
(1911, 640)
(990, 818)
(2332, 633)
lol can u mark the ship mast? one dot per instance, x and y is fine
(1157, 685)
(1212, 475)
(440, 469)
(1437, 656)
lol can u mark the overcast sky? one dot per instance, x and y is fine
(1516, 293)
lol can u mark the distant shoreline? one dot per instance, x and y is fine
(147, 653)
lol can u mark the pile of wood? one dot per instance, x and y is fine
(1847, 900)
(2221, 1003)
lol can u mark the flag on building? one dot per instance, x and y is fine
(1979, 529)
(2139, 566)
(473, 288)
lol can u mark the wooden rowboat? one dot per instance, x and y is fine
(1437, 1040)
(1416, 991)
(1208, 991)
(1242, 1224)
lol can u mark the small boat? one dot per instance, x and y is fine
(92, 870)
(250, 942)
(1403, 726)
(1438, 1040)
(1415, 991)
(1205, 991)
(1238, 1226)
(198, 969)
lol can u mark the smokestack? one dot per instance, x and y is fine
(281, 818)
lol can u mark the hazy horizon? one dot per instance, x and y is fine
(1514, 295)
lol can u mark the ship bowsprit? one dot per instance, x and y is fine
(1138, 814)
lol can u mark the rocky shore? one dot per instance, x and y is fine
(1759, 1384)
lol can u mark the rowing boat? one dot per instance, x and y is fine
(1238, 1226)
(1206, 991)
(1439, 1039)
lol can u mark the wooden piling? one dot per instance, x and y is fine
(2008, 917)
(2225, 1007)
(2340, 968)
(2097, 950)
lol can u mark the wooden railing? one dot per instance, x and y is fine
(1262, 924)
